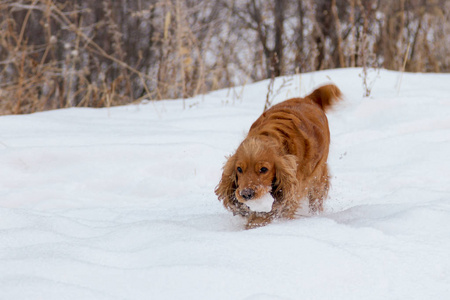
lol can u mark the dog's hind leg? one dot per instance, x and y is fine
(319, 192)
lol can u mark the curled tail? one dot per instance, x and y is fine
(326, 96)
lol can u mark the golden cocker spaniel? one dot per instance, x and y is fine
(285, 154)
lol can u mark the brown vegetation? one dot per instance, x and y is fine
(59, 53)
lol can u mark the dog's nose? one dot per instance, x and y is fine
(247, 194)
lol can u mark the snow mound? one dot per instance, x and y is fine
(263, 204)
(119, 203)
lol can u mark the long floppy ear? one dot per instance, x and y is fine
(228, 184)
(286, 182)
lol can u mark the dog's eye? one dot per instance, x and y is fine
(239, 169)
(263, 170)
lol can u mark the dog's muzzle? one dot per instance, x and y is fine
(247, 194)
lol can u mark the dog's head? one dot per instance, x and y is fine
(257, 168)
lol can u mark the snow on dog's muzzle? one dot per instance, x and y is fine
(263, 204)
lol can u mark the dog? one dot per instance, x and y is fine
(285, 154)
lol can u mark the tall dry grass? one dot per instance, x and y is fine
(56, 54)
(60, 53)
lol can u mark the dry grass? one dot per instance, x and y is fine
(57, 54)
(60, 53)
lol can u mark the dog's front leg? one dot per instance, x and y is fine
(258, 220)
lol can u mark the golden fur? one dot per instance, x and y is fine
(285, 153)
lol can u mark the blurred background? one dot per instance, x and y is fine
(84, 53)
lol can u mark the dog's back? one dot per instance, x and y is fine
(300, 116)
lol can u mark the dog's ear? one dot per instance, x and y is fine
(286, 183)
(228, 184)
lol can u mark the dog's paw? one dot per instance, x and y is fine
(255, 221)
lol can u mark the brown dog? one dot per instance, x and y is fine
(285, 154)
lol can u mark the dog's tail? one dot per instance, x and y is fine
(326, 96)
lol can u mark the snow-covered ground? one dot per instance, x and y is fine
(119, 203)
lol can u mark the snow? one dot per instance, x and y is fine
(262, 204)
(118, 203)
